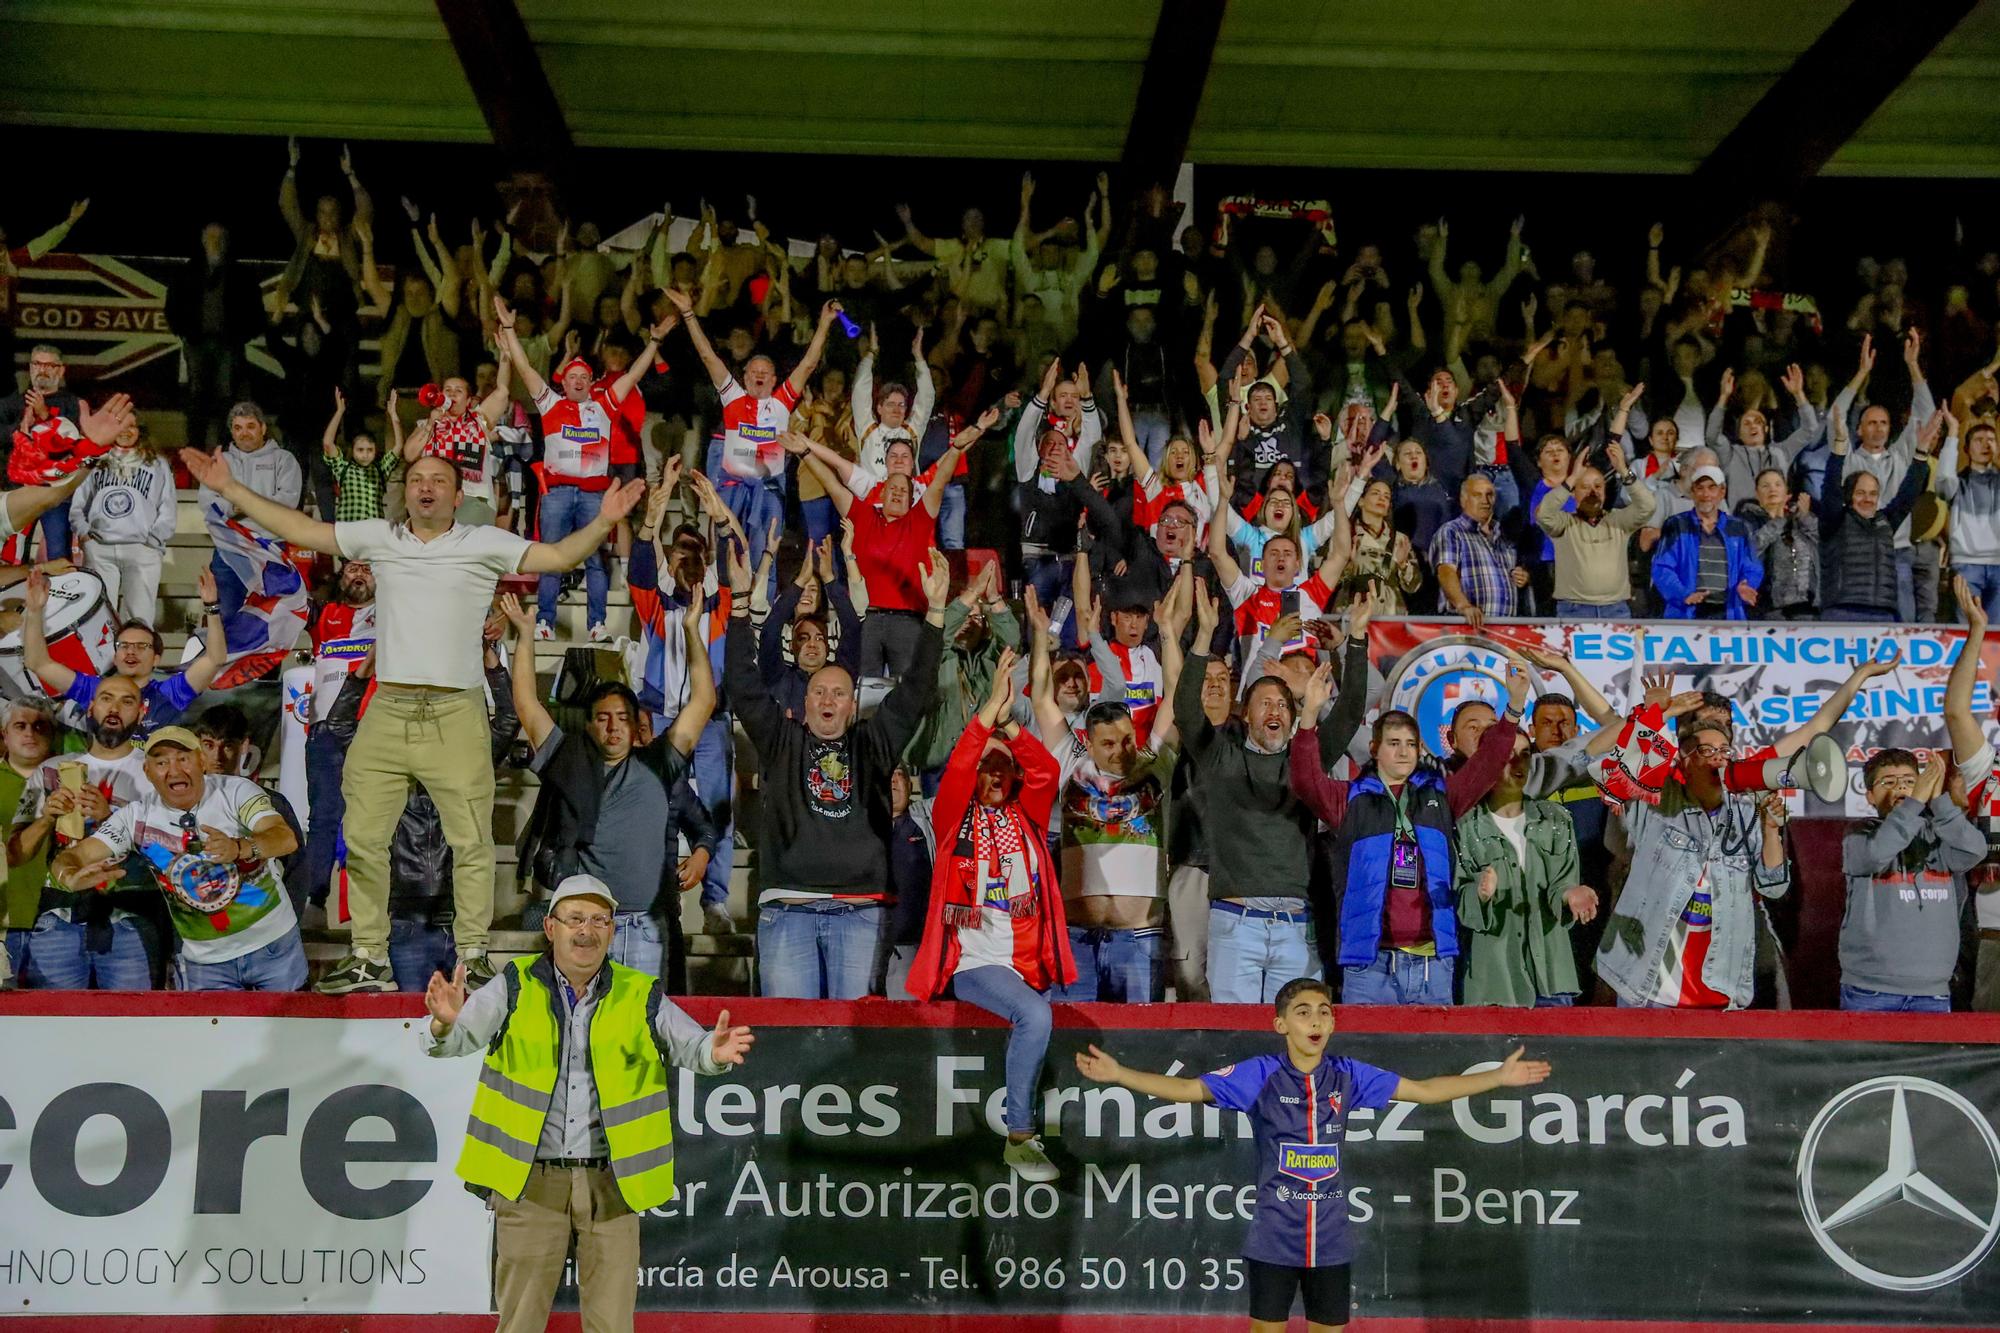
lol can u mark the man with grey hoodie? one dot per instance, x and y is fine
(1906, 889)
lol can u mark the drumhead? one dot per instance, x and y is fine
(74, 598)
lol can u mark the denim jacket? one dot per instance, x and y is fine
(1671, 844)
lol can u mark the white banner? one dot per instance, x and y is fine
(1775, 675)
(234, 1165)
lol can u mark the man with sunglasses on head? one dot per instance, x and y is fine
(136, 650)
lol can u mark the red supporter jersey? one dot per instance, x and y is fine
(576, 439)
(891, 554)
(1260, 610)
(628, 420)
(750, 431)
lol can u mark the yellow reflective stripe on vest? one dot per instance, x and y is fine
(516, 1085)
(633, 1092)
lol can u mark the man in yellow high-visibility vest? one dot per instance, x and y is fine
(571, 1130)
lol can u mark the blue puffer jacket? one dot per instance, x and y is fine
(1677, 563)
(1366, 835)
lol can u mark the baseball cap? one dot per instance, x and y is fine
(577, 886)
(1713, 474)
(180, 736)
(572, 363)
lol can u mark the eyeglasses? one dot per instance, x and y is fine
(597, 919)
(135, 645)
(1709, 751)
(1176, 522)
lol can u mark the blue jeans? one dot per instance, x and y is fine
(1984, 583)
(824, 949)
(1857, 1000)
(1000, 991)
(951, 519)
(55, 533)
(416, 950)
(1119, 966)
(1049, 576)
(567, 509)
(1592, 611)
(325, 807)
(822, 519)
(1506, 489)
(1250, 957)
(636, 941)
(714, 764)
(755, 504)
(1624, 1003)
(17, 949)
(58, 960)
(279, 965)
(1152, 430)
(1396, 977)
(1564, 1001)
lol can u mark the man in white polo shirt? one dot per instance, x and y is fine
(434, 582)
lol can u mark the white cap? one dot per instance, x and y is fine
(1710, 473)
(583, 886)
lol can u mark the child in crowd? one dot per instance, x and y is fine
(362, 474)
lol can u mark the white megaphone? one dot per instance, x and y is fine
(1820, 768)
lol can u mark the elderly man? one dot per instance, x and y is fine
(1706, 566)
(822, 928)
(213, 844)
(1477, 572)
(1592, 543)
(434, 580)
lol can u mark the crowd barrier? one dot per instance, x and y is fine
(285, 1163)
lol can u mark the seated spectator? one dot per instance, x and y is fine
(1393, 825)
(1784, 532)
(606, 804)
(1906, 888)
(1518, 893)
(27, 733)
(124, 513)
(995, 934)
(1686, 936)
(101, 937)
(212, 843)
(1593, 543)
(824, 850)
(1477, 573)
(1974, 497)
(136, 650)
(806, 614)
(1705, 566)
(1858, 555)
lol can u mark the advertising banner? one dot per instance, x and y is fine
(1776, 675)
(1663, 1172)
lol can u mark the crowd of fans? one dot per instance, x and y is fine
(1124, 745)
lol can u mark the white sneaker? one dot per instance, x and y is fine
(599, 634)
(544, 633)
(716, 920)
(1027, 1160)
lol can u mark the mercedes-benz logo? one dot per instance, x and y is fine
(1948, 1226)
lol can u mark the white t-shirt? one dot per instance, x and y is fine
(1514, 828)
(234, 806)
(431, 597)
(992, 945)
(121, 780)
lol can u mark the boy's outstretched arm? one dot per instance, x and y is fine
(1513, 1072)
(1098, 1067)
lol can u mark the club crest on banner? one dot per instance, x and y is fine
(1440, 676)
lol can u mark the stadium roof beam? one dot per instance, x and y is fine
(1818, 104)
(1170, 92)
(508, 82)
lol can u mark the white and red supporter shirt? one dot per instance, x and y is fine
(464, 442)
(628, 420)
(1258, 607)
(750, 430)
(342, 636)
(1982, 789)
(576, 439)
(1144, 683)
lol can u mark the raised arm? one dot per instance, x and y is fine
(835, 485)
(573, 550)
(803, 372)
(718, 374)
(34, 645)
(536, 723)
(700, 705)
(283, 521)
(509, 343)
(1513, 1072)
(1099, 1067)
(642, 364)
(201, 672)
(933, 499)
(1966, 736)
(1834, 708)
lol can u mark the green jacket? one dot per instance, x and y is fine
(1517, 945)
(964, 678)
(22, 903)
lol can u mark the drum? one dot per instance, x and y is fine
(78, 625)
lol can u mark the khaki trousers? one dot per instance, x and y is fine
(531, 1238)
(1187, 925)
(439, 738)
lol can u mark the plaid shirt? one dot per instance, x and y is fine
(1484, 560)
(357, 489)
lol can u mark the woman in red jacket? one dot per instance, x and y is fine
(996, 935)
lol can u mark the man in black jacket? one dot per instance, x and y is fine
(214, 308)
(823, 847)
(608, 805)
(1274, 434)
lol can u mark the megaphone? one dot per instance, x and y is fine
(1820, 768)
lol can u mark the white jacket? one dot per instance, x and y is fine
(128, 500)
(871, 436)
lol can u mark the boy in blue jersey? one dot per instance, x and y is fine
(1298, 1104)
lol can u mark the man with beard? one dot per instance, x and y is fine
(251, 940)
(97, 938)
(1593, 544)
(427, 720)
(823, 919)
(1685, 935)
(343, 640)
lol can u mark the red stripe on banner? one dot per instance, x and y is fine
(695, 1321)
(1751, 1025)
